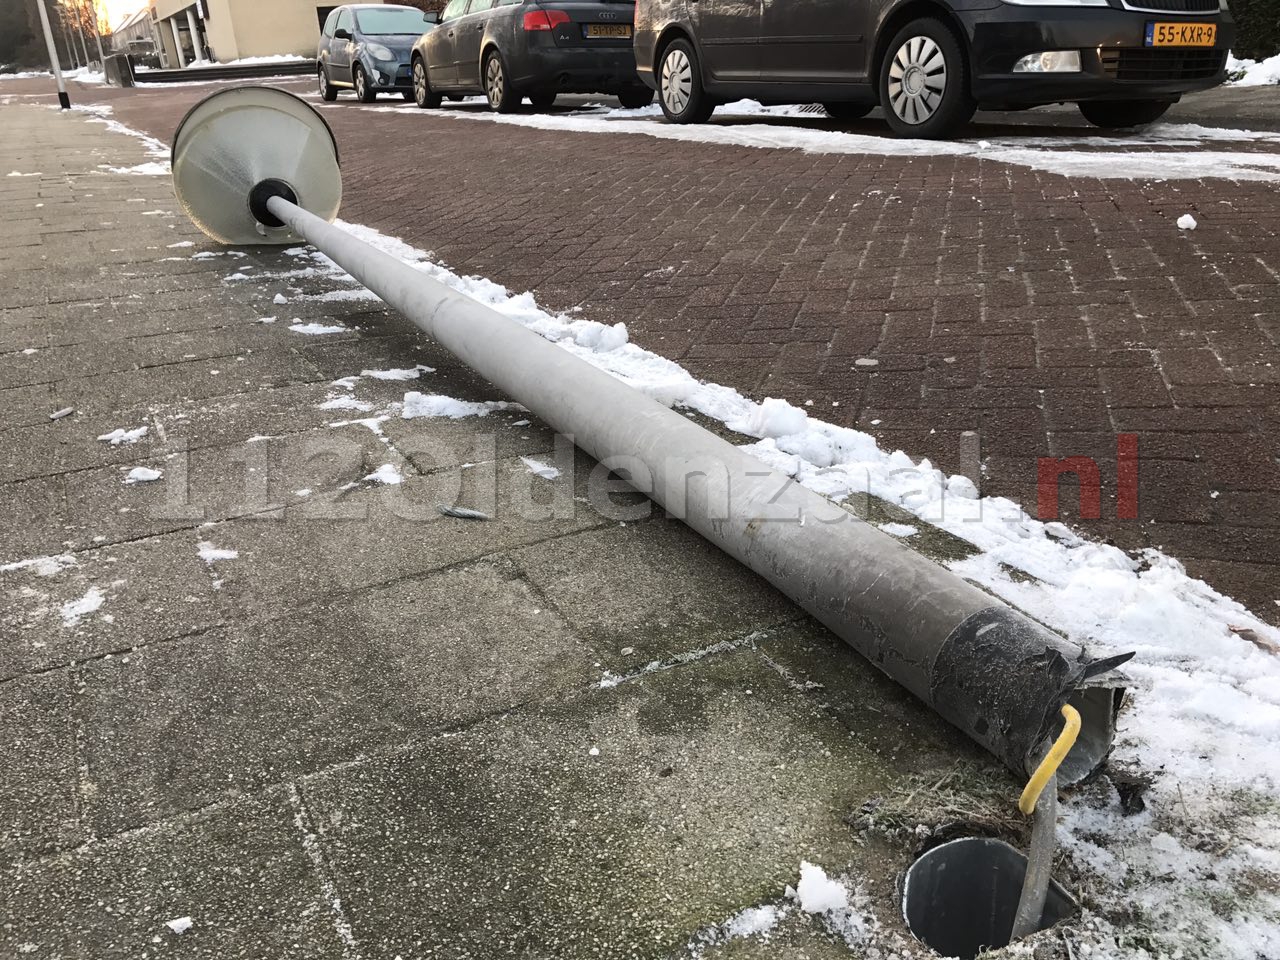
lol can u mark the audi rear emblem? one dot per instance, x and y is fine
(608, 16)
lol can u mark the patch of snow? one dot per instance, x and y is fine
(151, 168)
(179, 925)
(409, 373)
(73, 610)
(346, 403)
(19, 173)
(540, 469)
(211, 554)
(143, 475)
(819, 894)
(280, 298)
(900, 529)
(181, 243)
(121, 435)
(1253, 73)
(388, 473)
(435, 405)
(772, 418)
(317, 329)
(1186, 222)
(42, 566)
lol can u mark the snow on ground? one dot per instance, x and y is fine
(1253, 73)
(434, 405)
(540, 469)
(73, 610)
(317, 329)
(1194, 874)
(143, 475)
(388, 474)
(211, 554)
(1162, 149)
(120, 435)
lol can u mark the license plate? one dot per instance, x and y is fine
(1181, 34)
(610, 30)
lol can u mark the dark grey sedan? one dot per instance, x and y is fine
(365, 47)
(510, 49)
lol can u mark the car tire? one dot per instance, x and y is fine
(542, 101)
(844, 110)
(497, 88)
(423, 95)
(636, 98)
(924, 82)
(328, 92)
(364, 92)
(1124, 113)
(680, 90)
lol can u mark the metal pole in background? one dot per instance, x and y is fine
(63, 99)
(79, 16)
(66, 38)
(97, 34)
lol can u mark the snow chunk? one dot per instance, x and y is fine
(772, 418)
(817, 892)
(280, 298)
(388, 473)
(601, 338)
(1186, 222)
(538, 468)
(1253, 73)
(753, 921)
(408, 373)
(121, 435)
(43, 566)
(317, 329)
(143, 475)
(435, 405)
(75, 609)
(179, 925)
(900, 529)
(211, 554)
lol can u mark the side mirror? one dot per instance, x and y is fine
(342, 33)
(431, 16)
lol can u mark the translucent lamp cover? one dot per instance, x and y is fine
(241, 136)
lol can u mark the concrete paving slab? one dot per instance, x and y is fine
(614, 824)
(37, 752)
(175, 726)
(71, 608)
(682, 594)
(372, 535)
(240, 872)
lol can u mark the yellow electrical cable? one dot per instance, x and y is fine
(1053, 759)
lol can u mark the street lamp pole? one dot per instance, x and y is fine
(84, 48)
(97, 34)
(63, 99)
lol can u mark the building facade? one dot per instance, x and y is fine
(224, 30)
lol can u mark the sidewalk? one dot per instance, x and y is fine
(323, 737)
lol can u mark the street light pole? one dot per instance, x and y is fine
(84, 48)
(63, 99)
(68, 39)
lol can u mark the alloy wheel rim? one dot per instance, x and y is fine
(677, 81)
(917, 80)
(493, 81)
(324, 83)
(360, 83)
(419, 82)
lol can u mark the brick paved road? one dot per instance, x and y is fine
(1047, 313)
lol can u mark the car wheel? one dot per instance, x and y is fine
(680, 87)
(497, 89)
(364, 92)
(636, 98)
(328, 92)
(847, 111)
(1124, 113)
(924, 82)
(542, 101)
(422, 94)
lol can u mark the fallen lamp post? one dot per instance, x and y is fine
(255, 165)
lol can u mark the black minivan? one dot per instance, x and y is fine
(931, 63)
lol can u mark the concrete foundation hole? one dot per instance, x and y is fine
(960, 898)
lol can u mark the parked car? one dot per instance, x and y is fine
(365, 47)
(931, 63)
(510, 49)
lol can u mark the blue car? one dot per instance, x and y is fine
(365, 47)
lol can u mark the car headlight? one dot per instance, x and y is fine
(1058, 3)
(1049, 61)
(379, 52)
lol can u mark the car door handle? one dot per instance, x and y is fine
(450, 33)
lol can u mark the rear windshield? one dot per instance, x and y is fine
(388, 20)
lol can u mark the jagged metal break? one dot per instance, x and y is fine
(255, 164)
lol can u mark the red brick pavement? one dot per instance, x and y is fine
(1047, 313)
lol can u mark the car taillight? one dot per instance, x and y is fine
(544, 19)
